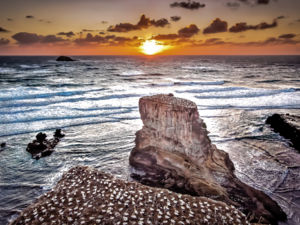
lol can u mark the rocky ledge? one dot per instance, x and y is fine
(174, 151)
(87, 196)
(287, 126)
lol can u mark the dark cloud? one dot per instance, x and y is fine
(213, 41)
(143, 23)
(216, 26)
(233, 5)
(9, 19)
(104, 22)
(108, 40)
(263, 2)
(44, 21)
(240, 27)
(280, 17)
(192, 5)
(29, 17)
(175, 18)
(287, 36)
(4, 41)
(68, 34)
(166, 37)
(188, 31)
(25, 38)
(255, 2)
(89, 30)
(3, 30)
(184, 33)
(51, 39)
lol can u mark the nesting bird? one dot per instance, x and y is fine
(87, 196)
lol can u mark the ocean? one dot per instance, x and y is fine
(94, 100)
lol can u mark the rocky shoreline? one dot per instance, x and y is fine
(287, 126)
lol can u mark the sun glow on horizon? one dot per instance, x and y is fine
(152, 47)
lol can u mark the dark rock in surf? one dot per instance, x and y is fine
(65, 58)
(58, 134)
(174, 151)
(3, 145)
(42, 147)
(287, 126)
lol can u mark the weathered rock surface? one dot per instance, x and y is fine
(287, 126)
(42, 147)
(87, 196)
(64, 58)
(173, 150)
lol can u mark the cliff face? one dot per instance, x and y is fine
(174, 151)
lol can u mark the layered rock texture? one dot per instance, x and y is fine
(87, 196)
(173, 150)
(287, 126)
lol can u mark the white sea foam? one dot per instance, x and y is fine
(132, 73)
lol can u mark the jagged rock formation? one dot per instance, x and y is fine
(287, 126)
(64, 58)
(173, 150)
(87, 196)
(42, 147)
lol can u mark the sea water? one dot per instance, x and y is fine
(94, 100)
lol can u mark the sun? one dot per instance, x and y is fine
(152, 47)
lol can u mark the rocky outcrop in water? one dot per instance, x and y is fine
(287, 126)
(87, 196)
(42, 147)
(173, 150)
(64, 58)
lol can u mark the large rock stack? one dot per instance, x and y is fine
(173, 150)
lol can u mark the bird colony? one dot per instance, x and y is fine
(88, 196)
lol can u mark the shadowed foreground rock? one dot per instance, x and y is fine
(42, 147)
(173, 150)
(287, 126)
(88, 196)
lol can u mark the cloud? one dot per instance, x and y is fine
(241, 27)
(24, 38)
(216, 26)
(89, 30)
(280, 17)
(263, 2)
(255, 2)
(4, 41)
(108, 40)
(44, 21)
(188, 31)
(68, 34)
(104, 22)
(175, 18)
(3, 30)
(29, 17)
(213, 41)
(287, 36)
(191, 5)
(166, 37)
(9, 19)
(143, 23)
(184, 33)
(233, 5)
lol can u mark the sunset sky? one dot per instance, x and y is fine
(119, 27)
